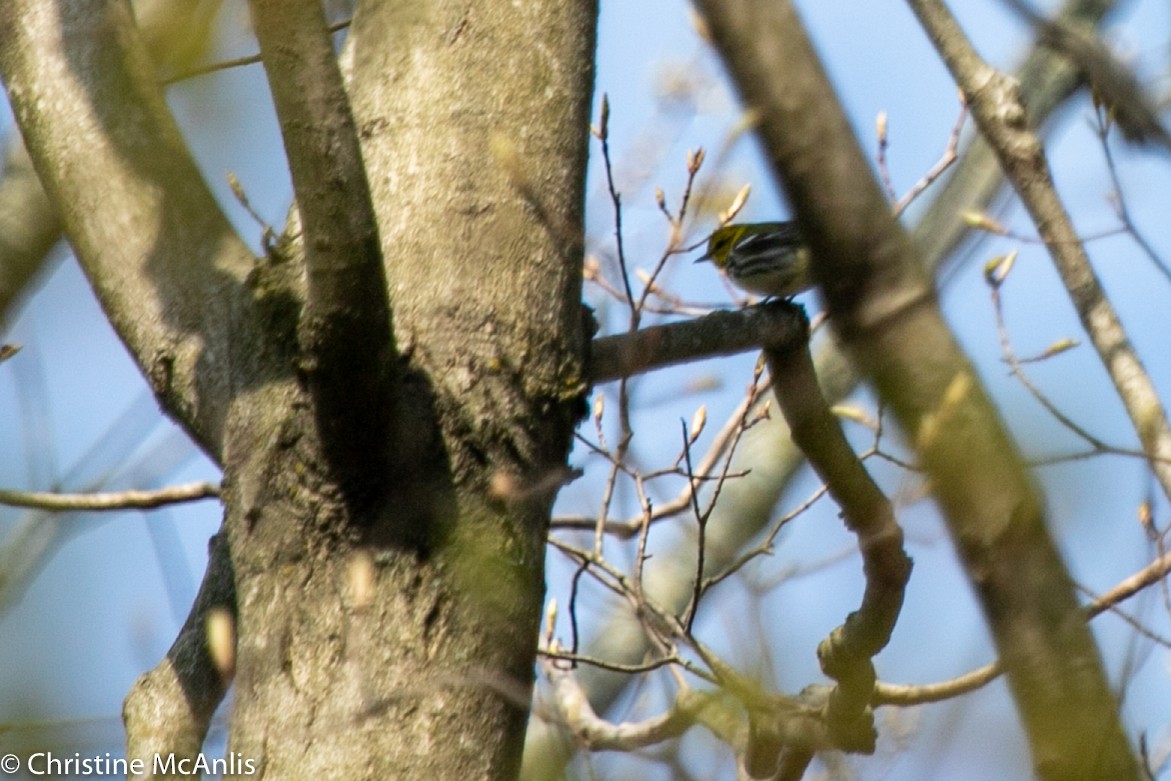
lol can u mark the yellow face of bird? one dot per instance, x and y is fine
(722, 242)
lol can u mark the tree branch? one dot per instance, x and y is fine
(29, 225)
(719, 333)
(165, 263)
(345, 329)
(575, 712)
(846, 654)
(168, 709)
(884, 311)
(1047, 81)
(1000, 114)
(114, 500)
(904, 694)
(1113, 83)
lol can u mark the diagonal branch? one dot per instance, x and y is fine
(1047, 80)
(1000, 114)
(169, 708)
(165, 263)
(345, 328)
(886, 314)
(29, 226)
(1114, 84)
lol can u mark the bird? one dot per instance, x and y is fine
(766, 258)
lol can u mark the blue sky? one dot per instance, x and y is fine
(106, 604)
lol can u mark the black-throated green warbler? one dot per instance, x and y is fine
(767, 258)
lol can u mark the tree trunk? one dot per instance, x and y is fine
(387, 632)
(477, 184)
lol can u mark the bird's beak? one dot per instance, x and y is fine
(703, 258)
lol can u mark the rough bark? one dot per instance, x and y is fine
(435, 670)
(384, 638)
(430, 676)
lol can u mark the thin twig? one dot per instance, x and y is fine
(643, 535)
(880, 155)
(649, 286)
(679, 504)
(602, 664)
(113, 500)
(1002, 118)
(765, 548)
(1102, 130)
(602, 132)
(238, 62)
(1019, 373)
(904, 695)
(950, 155)
(701, 523)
